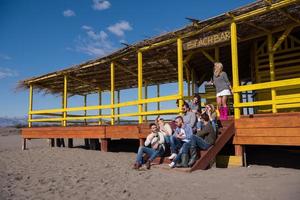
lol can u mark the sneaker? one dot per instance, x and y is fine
(172, 165)
(172, 156)
(136, 166)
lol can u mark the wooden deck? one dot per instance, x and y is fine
(268, 129)
(261, 129)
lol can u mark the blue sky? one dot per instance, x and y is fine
(39, 36)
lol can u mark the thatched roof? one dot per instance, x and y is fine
(160, 63)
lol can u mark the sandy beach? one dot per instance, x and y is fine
(61, 173)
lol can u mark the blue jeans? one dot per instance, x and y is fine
(197, 141)
(175, 144)
(152, 153)
(167, 139)
(183, 150)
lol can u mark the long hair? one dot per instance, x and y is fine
(218, 68)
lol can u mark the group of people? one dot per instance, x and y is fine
(195, 129)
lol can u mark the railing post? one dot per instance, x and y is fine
(180, 72)
(100, 103)
(235, 70)
(146, 97)
(158, 94)
(140, 85)
(65, 100)
(85, 111)
(118, 109)
(272, 71)
(112, 91)
(30, 105)
(29, 113)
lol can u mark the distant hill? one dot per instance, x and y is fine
(13, 121)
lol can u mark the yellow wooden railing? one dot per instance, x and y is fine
(280, 101)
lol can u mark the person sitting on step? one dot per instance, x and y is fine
(212, 114)
(180, 140)
(165, 128)
(203, 139)
(157, 148)
(189, 117)
(195, 104)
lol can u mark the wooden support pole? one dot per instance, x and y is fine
(272, 71)
(61, 141)
(193, 81)
(100, 103)
(235, 70)
(281, 39)
(104, 145)
(112, 92)
(118, 109)
(217, 54)
(85, 111)
(180, 71)
(158, 95)
(30, 103)
(140, 85)
(146, 97)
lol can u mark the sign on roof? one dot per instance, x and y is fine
(207, 41)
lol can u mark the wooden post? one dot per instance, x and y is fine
(104, 144)
(146, 97)
(235, 70)
(112, 91)
(100, 103)
(118, 110)
(158, 95)
(180, 71)
(140, 85)
(272, 71)
(29, 114)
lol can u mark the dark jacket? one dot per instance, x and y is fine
(208, 134)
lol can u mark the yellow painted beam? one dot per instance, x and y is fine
(235, 70)
(140, 85)
(112, 91)
(180, 71)
(268, 85)
(282, 38)
(65, 99)
(30, 103)
(267, 102)
(272, 70)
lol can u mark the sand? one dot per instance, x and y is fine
(61, 173)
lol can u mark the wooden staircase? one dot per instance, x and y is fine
(226, 132)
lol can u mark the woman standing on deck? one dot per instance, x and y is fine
(223, 88)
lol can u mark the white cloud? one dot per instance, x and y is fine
(101, 5)
(94, 43)
(85, 27)
(4, 57)
(6, 72)
(69, 13)
(119, 28)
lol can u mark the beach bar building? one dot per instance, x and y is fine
(259, 46)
